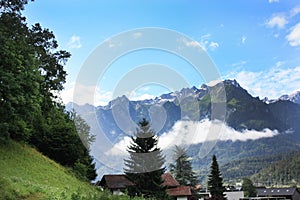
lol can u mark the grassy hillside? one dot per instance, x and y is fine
(27, 174)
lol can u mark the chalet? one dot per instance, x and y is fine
(116, 183)
(169, 181)
(285, 193)
(181, 193)
(175, 190)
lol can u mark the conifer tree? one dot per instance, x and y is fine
(182, 169)
(215, 181)
(145, 164)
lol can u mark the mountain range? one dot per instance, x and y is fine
(244, 115)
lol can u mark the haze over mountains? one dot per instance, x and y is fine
(249, 127)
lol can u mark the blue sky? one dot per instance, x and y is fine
(256, 42)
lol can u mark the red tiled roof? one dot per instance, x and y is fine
(116, 181)
(180, 191)
(169, 180)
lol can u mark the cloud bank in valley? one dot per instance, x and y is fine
(185, 133)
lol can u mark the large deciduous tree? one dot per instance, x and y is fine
(31, 75)
(215, 181)
(248, 188)
(145, 164)
(31, 71)
(182, 169)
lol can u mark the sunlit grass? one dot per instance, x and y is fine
(27, 174)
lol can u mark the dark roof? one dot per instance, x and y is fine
(115, 181)
(180, 191)
(120, 181)
(275, 191)
(169, 180)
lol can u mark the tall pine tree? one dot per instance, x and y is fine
(182, 169)
(145, 164)
(215, 181)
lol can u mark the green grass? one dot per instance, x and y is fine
(27, 174)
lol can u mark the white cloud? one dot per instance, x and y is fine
(213, 45)
(239, 64)
(204, 43)
(244, 38)
(112, 43)
(74, 42)
(272, 1)
(278, 21)
(120, 147)
(269, 83)
(190, 132)
(295, 11)
(207, 44)
(185, 133)
(192, 44)
(84, 93)
(294, 36)
(136, 97)
(281, 20)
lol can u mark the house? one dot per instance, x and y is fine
(234, 194)
(175, 190)
(287, 193)
(180, 193)
(169, 181)
(116, 183)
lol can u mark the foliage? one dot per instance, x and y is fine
(32, 73)
(19, 77)
(13, 5)
(145, 163)
(279, 173)
(248, 166)
(248, 188)
(83, 130)
(27, 174)
(182, 169)
(215, 181)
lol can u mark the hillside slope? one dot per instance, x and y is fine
(283, 173)
(27, 174)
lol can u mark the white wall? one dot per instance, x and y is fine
(181, 198)
(234, 195)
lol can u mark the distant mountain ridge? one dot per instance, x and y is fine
(294, 97)
(243, 112)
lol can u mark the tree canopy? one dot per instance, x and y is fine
(31, 75)
(248, 188)
(215, 181)
(182, 169)
(145, 164)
